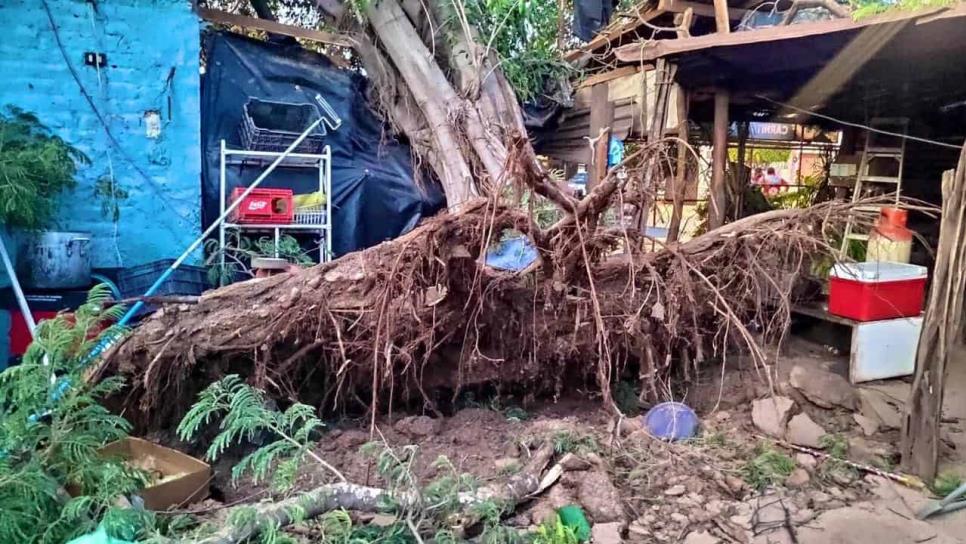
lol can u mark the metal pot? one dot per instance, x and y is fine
(57, 260)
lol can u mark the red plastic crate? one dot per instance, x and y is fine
(877, 290)
(263, 206)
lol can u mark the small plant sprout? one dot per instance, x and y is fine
(768, 467)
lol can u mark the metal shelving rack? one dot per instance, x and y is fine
(321, 161)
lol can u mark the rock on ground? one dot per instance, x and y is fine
(418, 426)
(574, 463)
(606, 533)
(557, 496)
(701, 537)
(806, 461)
(869, 452)
(826, 389)
(798, 478)
(881, 407)
(675, 490)
(600, 499)
(876, 526)
(802, 431)
(771, 414)
(350, 439)
(868, 425)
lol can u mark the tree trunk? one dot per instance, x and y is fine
(942, 331)
(432, 93)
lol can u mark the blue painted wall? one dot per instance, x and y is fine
(152, 49)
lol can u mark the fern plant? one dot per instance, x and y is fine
(244, 416)
(53, 483)
(35, 167)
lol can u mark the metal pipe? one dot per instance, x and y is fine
(17, 291)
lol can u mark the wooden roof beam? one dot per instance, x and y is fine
(272, 27)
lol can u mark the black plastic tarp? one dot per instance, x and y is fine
(590, 16)
(375, 197)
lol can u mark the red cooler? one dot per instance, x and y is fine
(876, 290)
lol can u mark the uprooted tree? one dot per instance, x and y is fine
(420, 317)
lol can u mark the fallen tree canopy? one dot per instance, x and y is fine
(420, 317)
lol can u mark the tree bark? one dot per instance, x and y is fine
(942, 331)
(360, 498)
(431, 91)
(679, 189)
(717, 205)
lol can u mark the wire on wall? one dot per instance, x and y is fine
(100, 117)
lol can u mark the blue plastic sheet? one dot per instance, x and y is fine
(512, 254)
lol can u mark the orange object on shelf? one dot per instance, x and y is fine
(892, 224)
(890, 240)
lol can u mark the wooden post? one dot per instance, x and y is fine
(678, 192)
(942, 331)
(601, 118)
(743, 128)
(663, 83)
(717, 206)
(739, 180)
(721, 22)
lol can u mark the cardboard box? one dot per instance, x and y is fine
(180, 479)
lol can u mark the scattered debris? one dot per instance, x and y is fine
(804, 432)
(868, 451)
(904, 479)
(825, 389)
(675, 491)
(771, 414)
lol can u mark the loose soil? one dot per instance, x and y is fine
(655, 491)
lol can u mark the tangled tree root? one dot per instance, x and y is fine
(420, 315)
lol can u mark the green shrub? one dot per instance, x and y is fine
(768, 467)
(51, 428)
(35, 167)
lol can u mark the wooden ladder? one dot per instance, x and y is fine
(870, 153)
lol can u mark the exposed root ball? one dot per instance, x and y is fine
(419, 315)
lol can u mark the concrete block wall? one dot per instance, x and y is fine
(148, 96)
